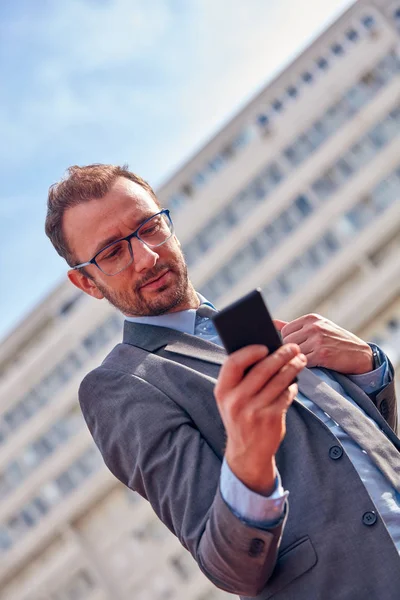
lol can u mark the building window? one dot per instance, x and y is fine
(52, 493)
(361, 153)
(241, 263)
(262, 120)
(277, 105)
(337, 49)
(216, 163)
(386, 192)
(316, 134)
(290, 154)
(352, 35)
(295, 274)
(362, 214)
(198, 180)
(304, 205)
(67, 307)
(258, 188)
(263, 242)
(176, 201)
(307, 77)
(336, 116)
(79, 586)
(5, 539)
(188, 190)
(292, 92)
(320, 253)
(273, 294)
(322, 64)
(341, 172)
(368, 21)
(16, 416)
(228, 152)
(244, 137)
(273, 174)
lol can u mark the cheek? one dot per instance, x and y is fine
(171, 249)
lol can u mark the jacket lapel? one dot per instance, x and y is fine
(152, 338)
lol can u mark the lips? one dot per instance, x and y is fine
(155, 279)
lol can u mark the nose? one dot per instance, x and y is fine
(144, 258)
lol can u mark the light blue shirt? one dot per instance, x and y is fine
(262, 511)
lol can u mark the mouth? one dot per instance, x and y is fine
(156, 282)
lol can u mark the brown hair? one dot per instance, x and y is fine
(82, 184)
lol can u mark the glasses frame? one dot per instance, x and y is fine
(128, 238)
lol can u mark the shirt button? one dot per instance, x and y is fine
(335, 452)
(369, 518)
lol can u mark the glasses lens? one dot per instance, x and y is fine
(115, 258)
(156, 230)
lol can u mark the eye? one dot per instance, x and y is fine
(112, 252)
(150, 229)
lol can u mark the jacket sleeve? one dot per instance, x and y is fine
(150, 444)
(386, 402)
(385, 398)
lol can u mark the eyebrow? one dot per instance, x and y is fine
(115, 238)
(110, 240)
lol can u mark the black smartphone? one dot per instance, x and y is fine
(245, 322)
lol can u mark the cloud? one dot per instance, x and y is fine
(144, 82)
(87, 64)
(130, 66)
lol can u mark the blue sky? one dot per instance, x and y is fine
(145, 82)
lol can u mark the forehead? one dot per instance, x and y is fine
(118, 213)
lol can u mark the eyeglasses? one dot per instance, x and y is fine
(118, 255)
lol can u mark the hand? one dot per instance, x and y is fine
(253, 406)
(325, 344)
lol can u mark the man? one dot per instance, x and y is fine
(275, 497)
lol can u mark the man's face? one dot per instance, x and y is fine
(156, 282)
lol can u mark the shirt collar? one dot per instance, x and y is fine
(183, 320)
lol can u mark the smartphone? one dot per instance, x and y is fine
(245, 322)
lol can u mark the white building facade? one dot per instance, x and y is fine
(298, 194)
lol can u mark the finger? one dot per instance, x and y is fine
(235, 366)
(266, 369)
(283, 401)
(297, 337)
(295, 325)
(312, 359)
(306, 345)
(284, 378)
(279, 324)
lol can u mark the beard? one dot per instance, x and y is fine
(134, 303)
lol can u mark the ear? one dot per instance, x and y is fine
(84, 283)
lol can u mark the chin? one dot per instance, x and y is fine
(165, 300)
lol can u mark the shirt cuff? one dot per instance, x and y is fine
(373, 381)
(251, 507)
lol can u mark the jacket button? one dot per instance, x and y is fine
(369, 518)
(335, 452)
(384, 409)
(256, 547)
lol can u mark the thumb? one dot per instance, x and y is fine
(279, 324)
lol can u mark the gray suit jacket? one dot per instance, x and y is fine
(151, 410)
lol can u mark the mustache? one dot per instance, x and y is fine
(153, 274)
